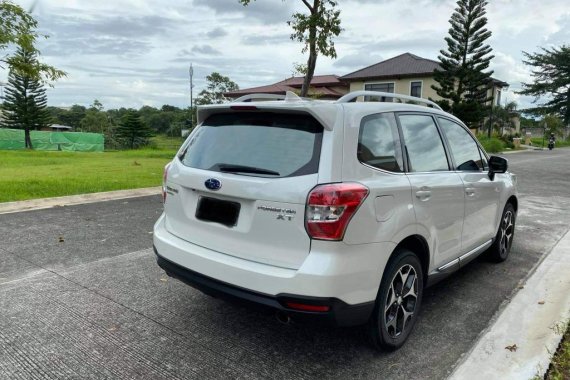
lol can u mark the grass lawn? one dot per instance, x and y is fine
(166, 142)
(36, 174)
(560, 365)
(537, 142)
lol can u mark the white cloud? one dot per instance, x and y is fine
(134, 52)
(510, 70)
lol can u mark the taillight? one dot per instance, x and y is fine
(330, 208)
(164, 178)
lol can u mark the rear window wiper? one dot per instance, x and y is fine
(229, 168)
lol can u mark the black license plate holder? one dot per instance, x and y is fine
(218, 211)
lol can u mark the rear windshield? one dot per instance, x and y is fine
(256, 144)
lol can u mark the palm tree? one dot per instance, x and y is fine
(503, 117)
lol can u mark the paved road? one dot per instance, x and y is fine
(95, 305)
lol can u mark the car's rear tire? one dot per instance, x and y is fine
(499, 251)
(398, 301)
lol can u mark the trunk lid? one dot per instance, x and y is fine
(240, 185)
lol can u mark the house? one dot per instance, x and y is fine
(406, 74)
(322, 87)
(57, 128)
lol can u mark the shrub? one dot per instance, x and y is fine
(492, 145)
(507, 141)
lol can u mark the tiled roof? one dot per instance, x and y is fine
(318, 80)
(321, 85)
(276, 88)
(406, 64)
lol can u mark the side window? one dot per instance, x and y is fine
(464, 149)
(416, 89)
(382, 87)
(423, 144)
(379, 143)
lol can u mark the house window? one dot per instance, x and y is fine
(382, 87)
(498, 103)
(416, 89)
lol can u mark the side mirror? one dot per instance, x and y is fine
(497, 165)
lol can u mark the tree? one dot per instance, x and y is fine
(528, 122)
(18, 29)
(71, 117)
(462, 81)
(95, 119)
(133, 131)
(503, 116)
(551, 73)
(216, 86)
(25, 101)
(316, 31)
(552, 124)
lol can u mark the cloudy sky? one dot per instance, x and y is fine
(137, 52)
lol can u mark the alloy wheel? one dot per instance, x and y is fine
(401, 300)
(507, 231)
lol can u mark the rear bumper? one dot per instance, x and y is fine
(344, 277)
(340, 313)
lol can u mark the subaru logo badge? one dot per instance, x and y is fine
(213, 184)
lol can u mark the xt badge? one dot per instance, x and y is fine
(285, 217)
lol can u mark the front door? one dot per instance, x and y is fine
(481, 193)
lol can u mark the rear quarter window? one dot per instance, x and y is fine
(256, 143)
(379, 143)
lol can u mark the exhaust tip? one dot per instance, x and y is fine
(283, 318)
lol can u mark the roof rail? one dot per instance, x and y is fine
(353, 95)
(289, 96)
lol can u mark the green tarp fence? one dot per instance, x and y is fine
(68, 141)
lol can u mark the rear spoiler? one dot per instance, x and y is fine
(324, 111)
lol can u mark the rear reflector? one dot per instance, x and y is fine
(304, 307)
(330, 208)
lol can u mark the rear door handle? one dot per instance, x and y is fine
(470, 191)
(423, 195)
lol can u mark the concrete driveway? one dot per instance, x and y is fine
(82, 297)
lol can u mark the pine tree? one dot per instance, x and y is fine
(25, 102)
(462, 81)
(133, 131)
(551, 75)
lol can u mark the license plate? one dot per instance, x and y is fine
(218, 211)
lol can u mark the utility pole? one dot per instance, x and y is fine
(491, 110)
(191, 73)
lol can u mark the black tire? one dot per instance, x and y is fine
(389, 326)
(499, 251)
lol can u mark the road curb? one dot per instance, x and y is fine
(38, 204)
(531, 325)
(514, 151)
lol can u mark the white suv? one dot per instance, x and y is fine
(338, 210)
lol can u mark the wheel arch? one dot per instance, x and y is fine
(514, 201)
(418, 245)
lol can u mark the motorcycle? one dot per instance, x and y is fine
(551, 143)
